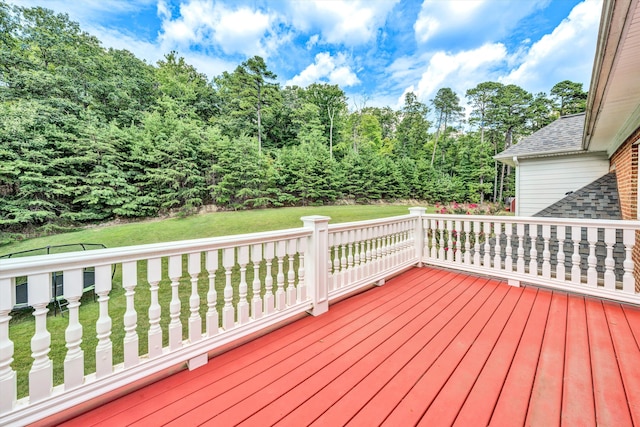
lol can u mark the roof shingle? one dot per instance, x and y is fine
(560, 136)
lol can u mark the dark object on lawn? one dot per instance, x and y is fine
(57, 283)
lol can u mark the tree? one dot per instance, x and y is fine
(413, 128)
(480, 99)
(247, 93)
(181, 83)
(447, 108)
(509, 116)
(331, 102)
(569, 97)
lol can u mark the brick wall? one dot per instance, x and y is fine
(625, 162)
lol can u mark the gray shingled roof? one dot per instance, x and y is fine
(598, 200)
(561, 136)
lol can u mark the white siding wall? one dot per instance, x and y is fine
(542, 182)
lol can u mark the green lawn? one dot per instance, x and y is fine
(205, 225)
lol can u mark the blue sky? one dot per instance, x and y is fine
(376, 50)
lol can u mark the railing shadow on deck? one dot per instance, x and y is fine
(176, 304)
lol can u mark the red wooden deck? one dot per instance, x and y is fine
(431, 347)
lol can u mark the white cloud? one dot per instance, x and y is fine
(565, 54)
(327, 68)
(459, 71)
(351, 23)
(472, 21)
(313, 40)
(232, 29)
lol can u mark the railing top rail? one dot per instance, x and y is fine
(583, 222)
(368, 223)
(15, 267)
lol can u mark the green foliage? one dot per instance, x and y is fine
(89, 134)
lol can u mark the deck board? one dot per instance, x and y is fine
(577, 397)
(432, 347)
(545, 405)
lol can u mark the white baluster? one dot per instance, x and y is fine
(256, 299)
(592, 260)
(575, 258)
(441, 240)
(476, 245)
(41, 373)
(74, 359)
(8, 378)
(467, 242)
(628, 279)
(129, 283)
(281, 251)
(211, 264)
(520, 261)
(458, 241)
(228, 312)
(104, 349)
(335, 243)
(546, 253)
(379, 258)
(350, 258)
(609, 262)
(450, 245)
(175, 325)
(154, 271)
(497, 256)
(291, 274)
(433, 228)
(560, 269)
(243, 303)
(195, 321)
(363, 254)
(369, 266)
(356, 255)
(508, 249)
(344, 238)
(302, 285)
(487, 245)
(533, 252)
(269, 300)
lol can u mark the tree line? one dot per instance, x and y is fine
(89, 134)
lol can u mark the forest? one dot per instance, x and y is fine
(90, 134)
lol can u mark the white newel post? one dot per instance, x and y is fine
(41, 373)
(104, 349)
(316, 262)
(418, 233)
(8, 379)
(129, 282)
(74, 359)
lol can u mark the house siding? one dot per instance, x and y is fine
(544, 181)
(625, 162)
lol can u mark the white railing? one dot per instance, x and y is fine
(174, 303)
(592, 257)
(177, 303)
(367, 252)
